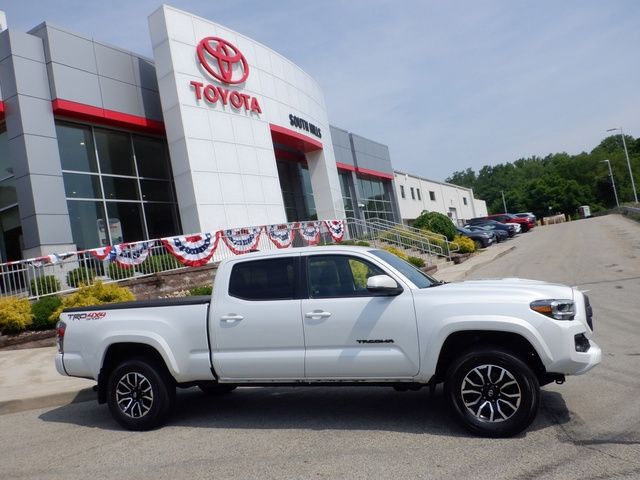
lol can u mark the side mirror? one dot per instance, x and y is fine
(383, 285)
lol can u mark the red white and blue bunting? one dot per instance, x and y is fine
(310, 231)
(336, 229)
(128, 255)
(101, 253)
(242, 240)
(281, 236)
(193, 250)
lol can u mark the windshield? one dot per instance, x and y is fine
(418, 278)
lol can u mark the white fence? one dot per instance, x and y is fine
(65, 272)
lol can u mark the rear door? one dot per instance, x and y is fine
(349, 332)
(255, 321)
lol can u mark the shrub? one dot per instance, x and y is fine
(116, 272)
(44, 285)
(348, 242)
(416, 262)
(202, 290)
(97, 293)
(436, 222)
(362, 243)
(80, 276)
(159, 263)
(397, 252)
(15, 314)
(465, 244)
(42, 311)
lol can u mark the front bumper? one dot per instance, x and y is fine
(578, 362)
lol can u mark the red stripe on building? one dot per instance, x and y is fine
(294, 139)
(1, 110)
(104, 116)
(345, 166)
(374, 173)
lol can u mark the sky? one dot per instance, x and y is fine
(447, 85)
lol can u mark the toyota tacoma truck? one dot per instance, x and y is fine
(335, 315)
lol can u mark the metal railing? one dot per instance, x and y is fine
(66, 272)
(402, 236)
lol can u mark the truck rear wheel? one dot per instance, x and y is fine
(492, 392)
(139, 395)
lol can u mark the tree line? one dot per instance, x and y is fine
(557, 183)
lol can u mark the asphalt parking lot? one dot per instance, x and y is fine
(588, 428)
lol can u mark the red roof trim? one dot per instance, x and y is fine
(104, 116)
(374, 173)
(345, 166)
(294, 139)
(1, 109)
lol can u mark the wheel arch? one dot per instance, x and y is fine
(463, 340)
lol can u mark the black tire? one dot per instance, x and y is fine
(216, 388)
(140, 394)
(479, 374)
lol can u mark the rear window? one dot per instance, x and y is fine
(263, 280)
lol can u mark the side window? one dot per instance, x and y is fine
(339, 276)
(263, 280)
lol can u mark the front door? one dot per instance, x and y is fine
(350, 333)
(256, 323)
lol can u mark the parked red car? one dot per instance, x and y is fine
(526, 223)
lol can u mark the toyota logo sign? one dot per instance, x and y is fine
(218, 57)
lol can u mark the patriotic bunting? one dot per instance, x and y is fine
(310, 231)
(242, 240)
(128, 255)
(195, 250)
(101, 253)
(281, 236)
(336, 229)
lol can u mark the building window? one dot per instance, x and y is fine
(464, 200)
(418, 192)
(118, 186)
(432, 196)
(402, 191)
(347, 197)
(10, 226)
(376, 196)
(413, 194)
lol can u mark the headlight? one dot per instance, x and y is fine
(558, 309)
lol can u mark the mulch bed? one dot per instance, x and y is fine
(19, 341)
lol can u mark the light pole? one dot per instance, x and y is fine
(504, 204)
(624, 144)
(612, 182)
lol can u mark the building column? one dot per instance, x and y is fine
(33, 145)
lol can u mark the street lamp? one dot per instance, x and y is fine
(624, 144)
(612, 182)
(504, 204)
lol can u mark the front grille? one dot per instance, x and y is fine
(589, 310)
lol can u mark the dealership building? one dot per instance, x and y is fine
(100, 146)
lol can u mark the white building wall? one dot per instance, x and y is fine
(223, 157)
(449, 199)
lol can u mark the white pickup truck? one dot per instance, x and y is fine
(336, 315)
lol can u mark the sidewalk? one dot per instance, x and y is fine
(454, 273)
(29, 380)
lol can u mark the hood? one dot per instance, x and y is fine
(534, 289)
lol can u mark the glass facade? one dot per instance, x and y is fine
(376, 196)
(10, 226)
(347, 195)
(118, 185)
(297, 194)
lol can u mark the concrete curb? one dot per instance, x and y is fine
(49, 400)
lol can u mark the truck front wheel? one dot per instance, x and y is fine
(140, 396)
(493, 393)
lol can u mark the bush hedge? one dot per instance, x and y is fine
(97, 293)
(201, 290)
(80, 276)
(116, 272)
(42, 310)
(15, 314)
(397, 252)
(435, 222)
(465, 244)
(44, 285)
(159, 263)
(416, 262)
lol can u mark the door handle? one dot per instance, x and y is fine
(231, 318)
(317, 314)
